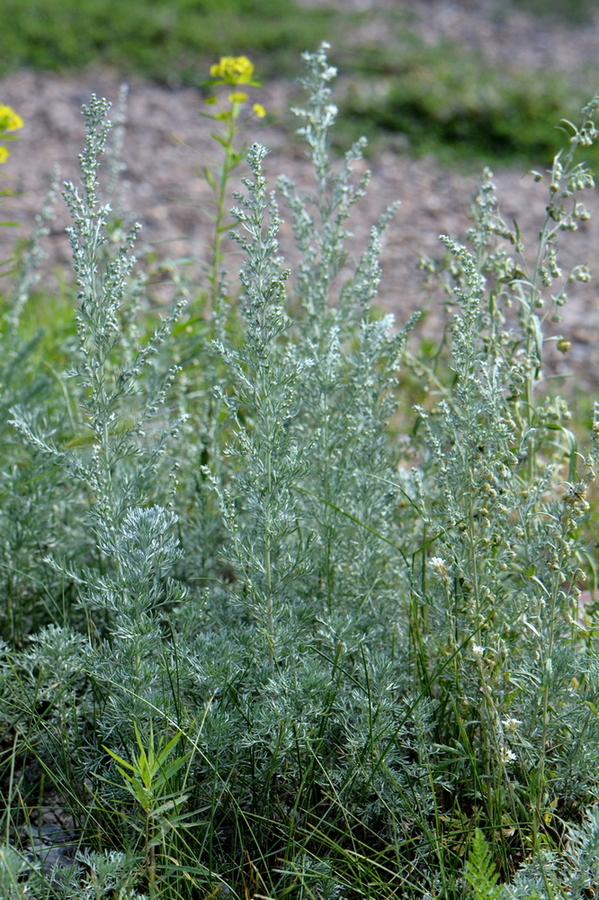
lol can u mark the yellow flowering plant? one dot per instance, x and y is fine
(230, 72)
(9, 121)
(233, 70)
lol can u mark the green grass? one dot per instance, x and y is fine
(160, 39)
(574, 12)
(453, 103)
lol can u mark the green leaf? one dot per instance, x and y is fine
(480, 872)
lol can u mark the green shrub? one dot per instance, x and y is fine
(451, 102)
(263, 647)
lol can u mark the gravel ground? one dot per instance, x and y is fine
(167, 143)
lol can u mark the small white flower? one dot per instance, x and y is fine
(438, 565)
(511, 724)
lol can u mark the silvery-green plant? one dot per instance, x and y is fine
(309, 497)
(123, 580)
(258, 505)
(32, 505)
(110, 454)
(374, 655)
(349, 391)
(496, 626)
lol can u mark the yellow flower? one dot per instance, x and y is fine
(233, 70)
(259, 110)
(237, 97)
(9, 119)
(4, 154)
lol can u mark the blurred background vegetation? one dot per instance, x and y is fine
(443, 99)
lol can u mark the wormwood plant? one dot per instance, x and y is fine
(31, 505)
(102, 664)
(282, 655)
(497, 631)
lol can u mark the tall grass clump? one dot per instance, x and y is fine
(255, 643)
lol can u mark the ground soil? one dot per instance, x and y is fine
(167, 143)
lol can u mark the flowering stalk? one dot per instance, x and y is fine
(232, 71)
(9, 121)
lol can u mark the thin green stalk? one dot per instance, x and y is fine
(233, 72)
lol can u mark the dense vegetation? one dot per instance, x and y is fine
(267, 630)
